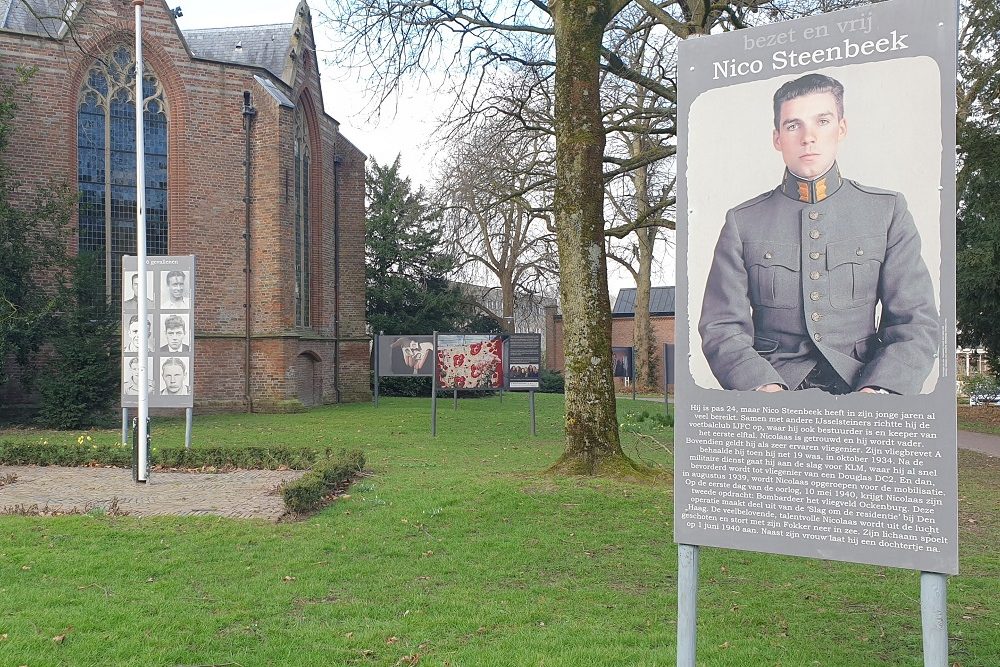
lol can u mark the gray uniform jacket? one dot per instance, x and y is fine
(793, 280)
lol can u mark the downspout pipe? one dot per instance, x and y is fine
(337, 161)
(249, 114)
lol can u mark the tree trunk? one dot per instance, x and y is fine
(642, 337)
(592, 441)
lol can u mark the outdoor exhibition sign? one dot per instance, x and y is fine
(470, 362)
(169, 327)
(816, 329)
(622, 359)
(524, 361)
(404, 356)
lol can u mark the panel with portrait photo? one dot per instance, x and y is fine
(175, 333)
(174, 376)
(131, 332)
(175, 290)
(130, 376)
(130, 288)
(818, 265)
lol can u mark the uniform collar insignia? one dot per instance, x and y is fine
(812, 191)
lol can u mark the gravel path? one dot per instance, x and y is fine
(245, 494)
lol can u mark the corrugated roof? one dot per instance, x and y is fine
(265, 46)
(662, 301)
(34, 17)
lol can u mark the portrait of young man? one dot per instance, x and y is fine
(132, 331)
(174, 291)
(174, 374)
(819, 283)
(131, 304)
(174, 334)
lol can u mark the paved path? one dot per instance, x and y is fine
(979, 442)
(240, 494)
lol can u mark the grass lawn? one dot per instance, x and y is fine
(461, 551)
(979, 418)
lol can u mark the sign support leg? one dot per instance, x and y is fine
(434, 386)
(934, 618)
(531, 400)
(456, 398)
(188, 422)
(687, 604)
(124, 426)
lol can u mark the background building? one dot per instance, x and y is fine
(662, 303)
(212, 97)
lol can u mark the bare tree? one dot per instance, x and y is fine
(496, 211)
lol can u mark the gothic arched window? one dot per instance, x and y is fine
(302, 160)
(106, 163)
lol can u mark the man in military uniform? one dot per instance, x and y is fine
(791, 296)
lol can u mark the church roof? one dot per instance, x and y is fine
(265, 46)
(43, 18)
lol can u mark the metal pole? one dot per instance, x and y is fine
(140, 210)
(434, 383)
(934, 618)
(531, 400)
(188, 423)
(125, 424)
(666, 385)
(375, 354)
(687, 604)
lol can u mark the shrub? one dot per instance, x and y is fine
(982, 388)
(306, 493)
(85, 452)
(81, 380)
(552, 382)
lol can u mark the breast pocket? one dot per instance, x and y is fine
(773, 273)
(854, 267)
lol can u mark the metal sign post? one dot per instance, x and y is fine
(375, 354)
(531, 401)
(434, 382)
(140, 209)
(188, 423)
(687, 604)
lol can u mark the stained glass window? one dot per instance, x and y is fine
(302, 160)
(106, 163)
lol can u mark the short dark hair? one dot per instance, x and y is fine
(175, 274)
(808, 85)
(174, 322)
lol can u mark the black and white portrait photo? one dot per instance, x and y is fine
(130, 375)
(175, 291)
(174, 376)
(814, 246)
(175, 333)
(132, 331)
(130, 291)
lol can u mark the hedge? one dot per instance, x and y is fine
(252, 457)
(307, 493)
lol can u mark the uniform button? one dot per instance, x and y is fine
(814, 296)
(813, 215)
(814, 234)
(768, 255)
(816, 317)
(814, 255)
(860, 252)
(814, 275)
(817, 337)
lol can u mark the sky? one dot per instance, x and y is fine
(407, 132)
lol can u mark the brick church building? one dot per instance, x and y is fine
(236, 139)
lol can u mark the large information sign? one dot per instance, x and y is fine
(470, 361)
(169, 328)
(404, 356)
(524, 361)
(816, 327)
